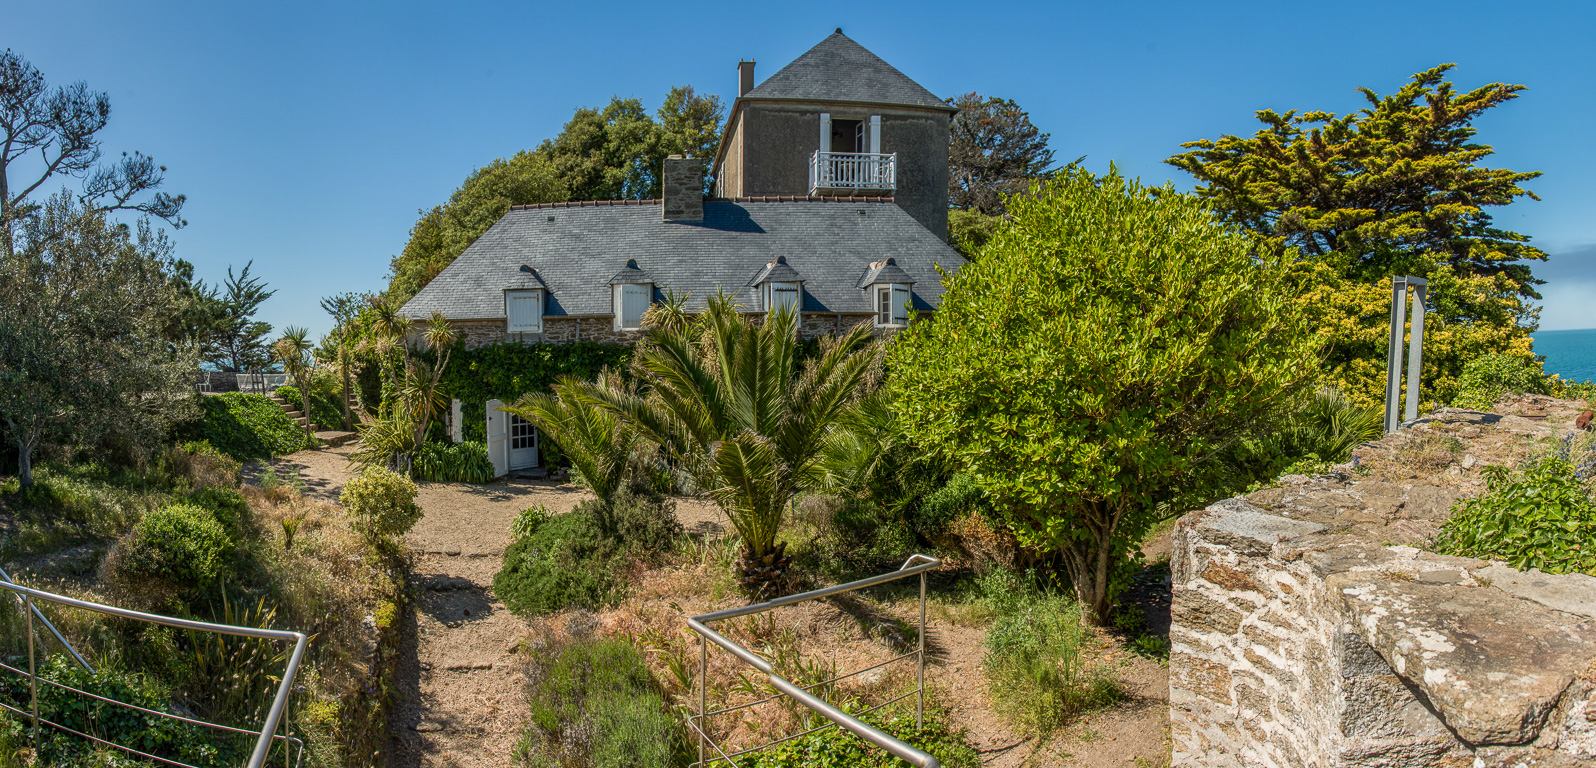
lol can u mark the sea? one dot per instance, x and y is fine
(1569, 354)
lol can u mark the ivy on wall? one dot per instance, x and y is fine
(508, 370)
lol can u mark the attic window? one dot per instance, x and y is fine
(892, 305)
(782, 295)
(523, 310)
(631, 301)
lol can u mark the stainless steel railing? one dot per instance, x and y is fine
(265, 737)
(915, 565)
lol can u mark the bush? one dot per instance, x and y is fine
(1544, 516)
(202, 465)
(1486, 379)
(248, 427)
(836, 748)
(595, 705)
(383, 503)
(578, 560)
(227, 505)
(156, 735)
(466, 462)
(183, 544)
(1036, 660)
(1088, 367)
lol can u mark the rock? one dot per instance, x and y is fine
(1469, 461)
(1493, 666)
(427, 727)
(1583, 421)
(1573, 593)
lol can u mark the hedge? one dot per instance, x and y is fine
(248, 426)
(507, 370)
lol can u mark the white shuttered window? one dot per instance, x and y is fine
(524, 310)
(892, 304)
(632, 301)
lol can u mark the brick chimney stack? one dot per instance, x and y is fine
(745, 77)
(682, 189)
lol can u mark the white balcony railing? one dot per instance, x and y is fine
(852, 170)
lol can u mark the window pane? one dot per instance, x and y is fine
(883, 306)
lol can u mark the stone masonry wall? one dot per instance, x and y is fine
(564, 330)
(1310, 628)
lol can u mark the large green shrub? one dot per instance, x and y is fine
(183, 544)
(1543, 516)
(1089, 366)
(325, 412)
(576, 560)
(383, 503)
(1486, 379)
(248, 426)
(595, 705)
(509, 370)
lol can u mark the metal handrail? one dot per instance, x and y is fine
(799, 693)
(268, 732)
(58, 636)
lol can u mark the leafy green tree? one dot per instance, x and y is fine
(689, 125)
(730, 404)
(85, 356)
(605, 154)
(1111, 341)
(240, 340)
(1397, 188)
(993, 151)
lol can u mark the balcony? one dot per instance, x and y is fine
(852, 172)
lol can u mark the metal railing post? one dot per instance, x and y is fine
(33, 678)
(919, 697)
(703, 693)
(1415, 347)
(1393, 358)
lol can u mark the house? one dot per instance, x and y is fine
(830, 194)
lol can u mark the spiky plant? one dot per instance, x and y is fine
(730, 403)
(293, 351)
(592, 436)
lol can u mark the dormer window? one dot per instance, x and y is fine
(892, 305)
(524, 310)
(779, 296)
(631, 302)
(891, 293)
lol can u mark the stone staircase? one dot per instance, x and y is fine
(330, 438)
(292, 409)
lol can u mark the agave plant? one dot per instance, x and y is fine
(729, 402)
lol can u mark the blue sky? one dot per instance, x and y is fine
(306, 136)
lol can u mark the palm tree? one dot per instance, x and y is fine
(730, 404)
(592, 437)
(293, 350)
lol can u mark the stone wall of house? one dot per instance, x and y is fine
(1309, 627)
(813, 325)
(556, 330)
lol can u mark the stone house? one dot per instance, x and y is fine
(830, 196)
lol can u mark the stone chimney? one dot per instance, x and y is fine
(745, 77)
(682, 189)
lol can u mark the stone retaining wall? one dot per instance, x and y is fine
(1309, 628)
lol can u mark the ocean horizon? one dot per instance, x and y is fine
(1569, 354)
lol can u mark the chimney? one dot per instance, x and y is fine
(745, 77)
(682, 189)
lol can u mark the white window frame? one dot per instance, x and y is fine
(646, 290)
(774, 299)
(892, 304)
(510, 325)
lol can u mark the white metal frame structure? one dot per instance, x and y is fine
(852, 170)
(916, 565)
(1393, 363)
(264, 738)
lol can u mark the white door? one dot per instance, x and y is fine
(498, 444)
(523, 443)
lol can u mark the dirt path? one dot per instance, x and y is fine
(461, 690)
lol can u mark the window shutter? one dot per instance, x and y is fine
(900, 304)
(825, 132)
(634, 302)
(525, 311)
(875, 134)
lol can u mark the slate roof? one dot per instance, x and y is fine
(839, 69)
(778, 271)
(577, 250)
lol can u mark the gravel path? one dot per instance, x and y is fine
(461, 690)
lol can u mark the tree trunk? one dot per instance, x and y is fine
(24, 464)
